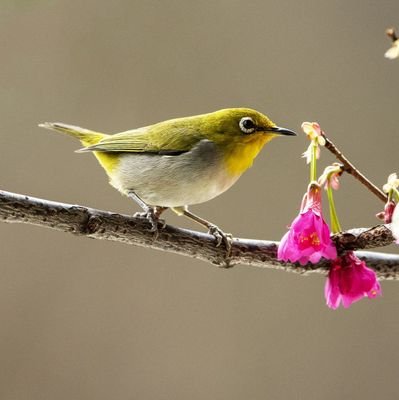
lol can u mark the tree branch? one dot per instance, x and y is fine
(98, 224)
(352, 170)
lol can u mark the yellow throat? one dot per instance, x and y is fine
(239, 156)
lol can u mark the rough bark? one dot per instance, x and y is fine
(98, 224)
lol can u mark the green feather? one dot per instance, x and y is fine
(173, 136)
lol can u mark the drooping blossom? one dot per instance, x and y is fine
(308, 239)
(330, 176)
(314, 133)
(350, 280)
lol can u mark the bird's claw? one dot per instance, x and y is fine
(221, 237)
(153, 219)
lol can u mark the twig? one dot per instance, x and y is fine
(97, 224)
(351, 169)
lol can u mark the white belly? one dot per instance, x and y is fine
(173, 181)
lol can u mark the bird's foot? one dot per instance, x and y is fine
(221, 237)
(158, 210)
(153, 218)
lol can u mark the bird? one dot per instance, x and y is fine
(179, 162)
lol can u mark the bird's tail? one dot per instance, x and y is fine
(86, 137)
(109, 161)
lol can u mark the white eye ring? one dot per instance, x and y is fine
(247, 125)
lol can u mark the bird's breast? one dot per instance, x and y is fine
(176, 180)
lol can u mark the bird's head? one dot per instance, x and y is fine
(241, 133)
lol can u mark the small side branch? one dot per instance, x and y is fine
(351, 169)
(98, 224)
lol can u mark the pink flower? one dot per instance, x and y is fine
(349, 280)
(308, 239)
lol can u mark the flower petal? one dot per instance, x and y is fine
(308, 153)
(331, 288)
(312, 129)
(350, 280)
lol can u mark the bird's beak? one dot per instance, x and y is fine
(282, 131)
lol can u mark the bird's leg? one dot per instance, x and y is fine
(151, 214)
(158, 210)
(214, 230)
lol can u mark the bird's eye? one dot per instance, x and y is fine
(247, 125)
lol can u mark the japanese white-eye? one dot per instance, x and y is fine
(179, 162)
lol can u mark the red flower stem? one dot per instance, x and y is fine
(352, 170)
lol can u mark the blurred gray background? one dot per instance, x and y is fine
(87, 319)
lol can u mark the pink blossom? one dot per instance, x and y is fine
(308, 239)
(349, 280)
